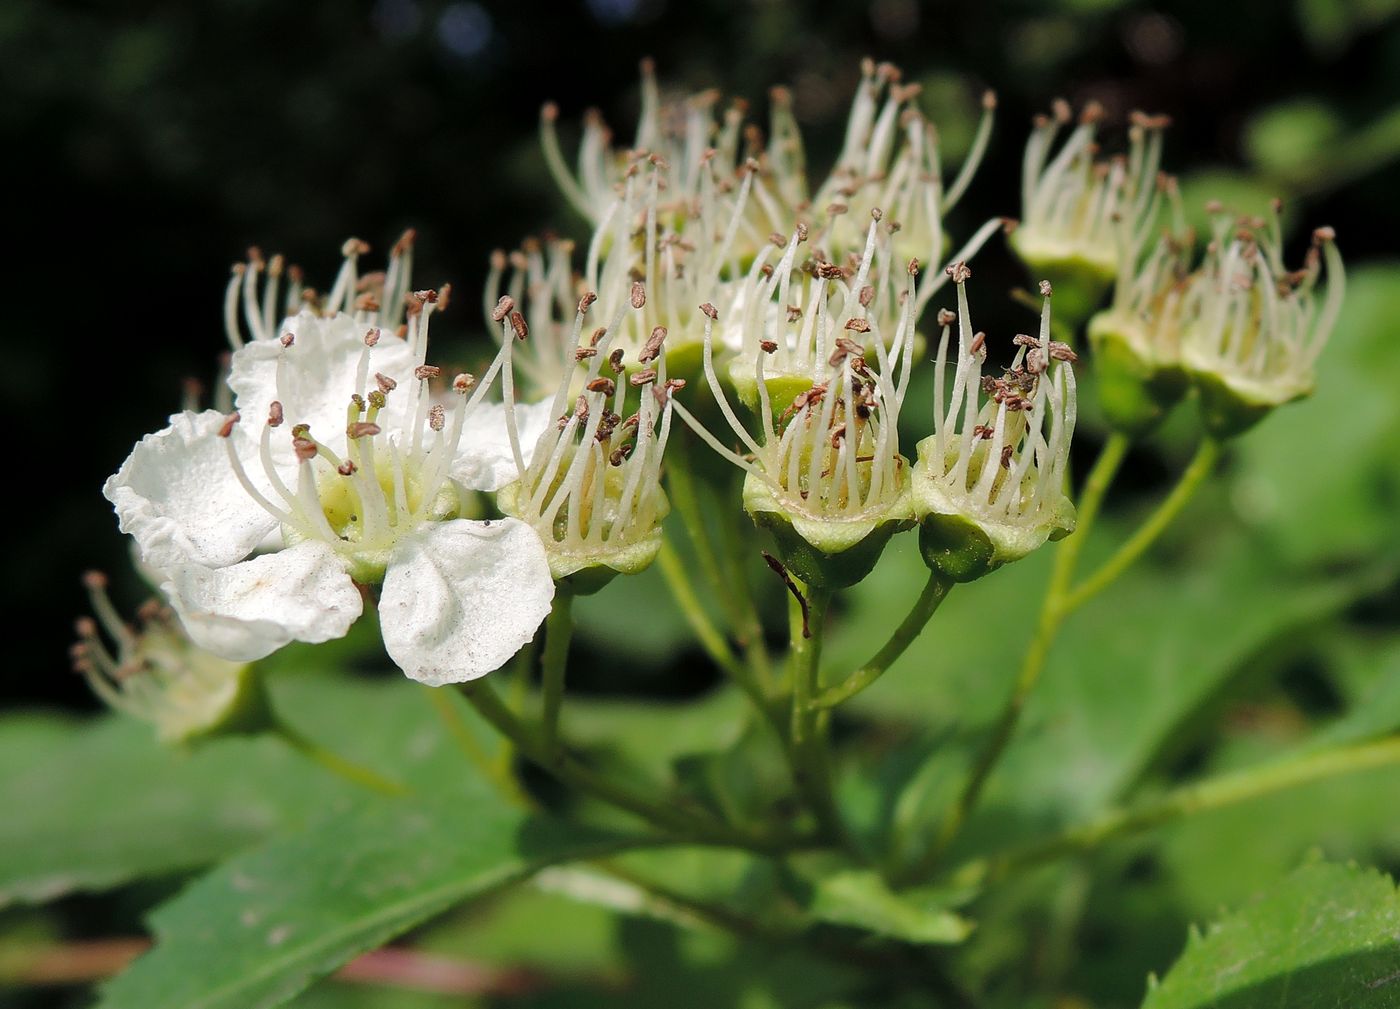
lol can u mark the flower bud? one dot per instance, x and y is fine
(988, 486)
(157, 675)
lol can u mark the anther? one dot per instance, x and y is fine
(274, 414)
(586, 302)
(437, 417)
(385, 383)
(959, 273)
(287, 339)
(347, 468)
(651, 350)
(709, 311)
(226, 428)
(372, 336)
(426, 371)
(858, 325)
(362, 429)
(639, 294)
(615, 361)
(643, 377)
(305, 449)
(602, 384)
(947, 317)
(1045, 289)
(517, 324)
(503, 308)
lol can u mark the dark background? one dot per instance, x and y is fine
(146, 144)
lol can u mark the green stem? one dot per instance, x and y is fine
(461, 733)
(935, 591)
(678, 581)
(810, 759)
(1188, 800)
(749, 627)
(334, 762)
(1096, 486)
(1194, 475)
(558, 629)
(688, 824)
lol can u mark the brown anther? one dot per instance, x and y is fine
(1062, 352)
(867, 295)
(347, 468)
(801, 232)
(85, 627)
(778, 239)
(978, 342)
(858, 325)
(639, 294)
(597, 336)
(946, 317)
(794, 312)
(385, 383)
(287, 339)
(1009, 224)
(1035, 361)
(503, 308)
(983, 431)
(274, 414)
(913, 267)
(377, 399)
(426, 371)
(94, 581)
(305, 449)
(959, 272)
(643, 377)
(1045, 289)
(358, 401)
(372, 336)
(463, 383)
(768, 346)
(226, 428)
(584, 353)
(1214, 207)
(622, 454)
(1324, 234)
(437, 417)
(362, 429)
(615, 361)
(602, 384)
(830, 271)
(651, 350)
(1092, 112)
(586, 302)
(836, 209)
(518, 326)
(1006, 452)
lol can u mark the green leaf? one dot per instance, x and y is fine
(860, 899)
(1325, 938)
(261, 927)
(103, 803)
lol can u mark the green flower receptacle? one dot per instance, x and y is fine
(1078, 277)
(829, 553)
(1227, 410)
(957, 547)
(1135, 393)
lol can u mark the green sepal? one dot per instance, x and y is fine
(585, 573)
(1079, 281)
(1135, 393)
(1228, 412)
(957, 547)
(832, 553)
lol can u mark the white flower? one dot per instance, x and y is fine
(1074, 207)
(157, 675)
(359, 467)
(989, 485)
(592, 488)
(826, 471)
(1255, 329)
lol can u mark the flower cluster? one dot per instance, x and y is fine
(343, 467)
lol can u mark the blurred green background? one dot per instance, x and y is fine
(147, 144)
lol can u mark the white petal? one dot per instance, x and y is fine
(319, 375)
(178, 496)
(484, 458)
(249, 610)
(462, 597)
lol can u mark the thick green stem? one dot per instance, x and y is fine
(1096, 487)
(810, 757)
(1195, 474)
(334, 762)
(935, 591)
(1188, 800)
(558, 630)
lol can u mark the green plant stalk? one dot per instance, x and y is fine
(749, 627)
(678, 581)
(1061, 601)
(684, 824)
(810, 760)
(731, 589)
(1096, 487)
(1188, 800)
(495, 771)
(1195, 474)
(558, 630)
(340, 766)
(934, 592)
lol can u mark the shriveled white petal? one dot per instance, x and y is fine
(484, 459)
(319, 374)
(249, 610)
(461, 597)
(178, 496)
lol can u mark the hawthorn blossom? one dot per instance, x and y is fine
(989, 484)
(360, 468)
